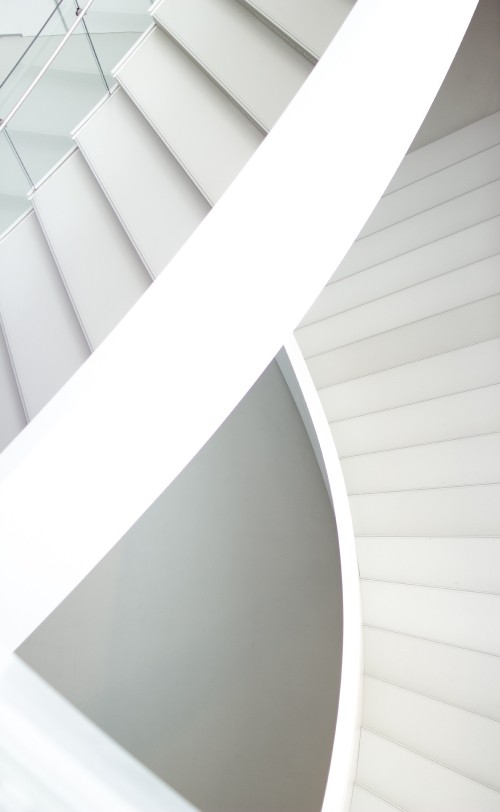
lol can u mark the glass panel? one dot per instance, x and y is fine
(70, 88)
(115, 25)
(28, 54)
(13, 185)
(39, 133)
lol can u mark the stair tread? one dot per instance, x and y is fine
(408, 780)
(103, 275)
(460, 327)
(422, 194)
(254, 65)
(157, 203)
(11, 408)
(311, 25)
(446, 374)
(447, 417)
(45, 338)
(428, 226)
(429, 298)
(446, 151)
(208, 134)
(451, 253)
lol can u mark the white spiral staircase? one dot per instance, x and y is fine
(402, 345)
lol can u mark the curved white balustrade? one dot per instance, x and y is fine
(160, 385)
(347, 729)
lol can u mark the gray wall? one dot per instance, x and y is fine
(471, 89)
(208, 641)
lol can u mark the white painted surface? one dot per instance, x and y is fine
(434, 224)
(450, 290)
(452, 372)
(443, 418)
(468, 619)
(425, 431)
(45, 338)
(251, 62)
(121, 412)
(209, 136)
(311, 26)
(104, 276)
(347, 729)
(467, 511)
(414, 783)
(458, 739)
(155, 200)
(446, 464)
(456, 251)
(458, 327)
(13, 415)
(432, 190)
(364, 801)
(457, 146)
(452, 563)
(467, 679)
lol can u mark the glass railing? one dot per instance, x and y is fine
(60, 76)
(34, 53)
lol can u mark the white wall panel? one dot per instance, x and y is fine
(414, 783)
(255, 66)
(364, 801)
(207, 133)
(438, 222)
(456, 675)
(45, 338)
(443, 418)
(311, 26)
(459, 739)
(13, 417)
(455, 251)
(435, 189)
(446, 151)
(451, 463)
(155, 200)
(460, 327)
(455, 371)
(453, 563)
(467, 511)
(104, 276)
(420, 301)
(468, 619)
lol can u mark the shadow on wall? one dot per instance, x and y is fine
(208, 641)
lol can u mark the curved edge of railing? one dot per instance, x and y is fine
(348, 725)
(154, 392)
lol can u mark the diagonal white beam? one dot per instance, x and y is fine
(157, 389)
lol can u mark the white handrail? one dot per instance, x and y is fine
(348, 725)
